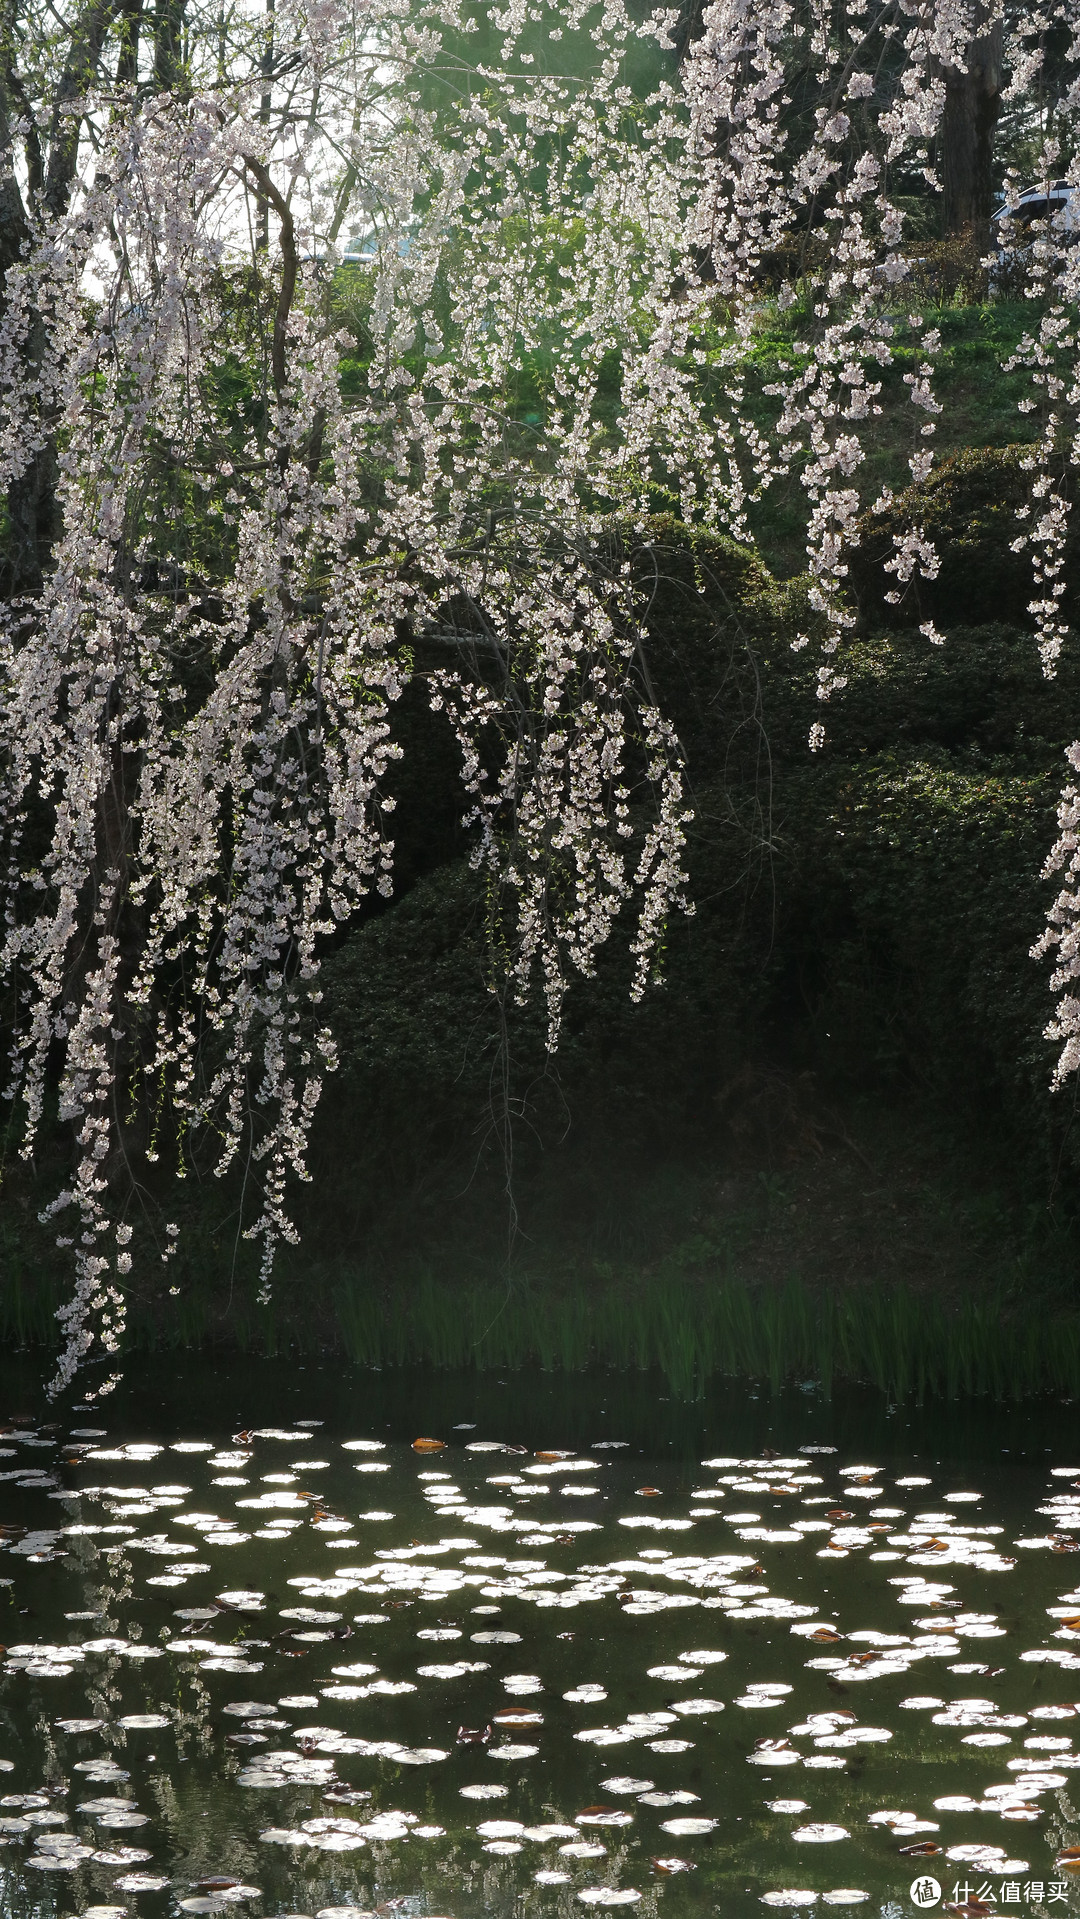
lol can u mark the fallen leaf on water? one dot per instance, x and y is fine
(922, 1850)
(1068, 1859)
(473, 1735)
(648, 1492)
(825, 1636)
(428, 1445)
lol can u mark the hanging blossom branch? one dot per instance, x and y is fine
(806, 207)
(811, 212)
(1048, 265)
(198, 689)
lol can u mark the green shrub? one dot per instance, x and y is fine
(968, 509)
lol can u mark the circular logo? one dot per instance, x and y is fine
(925, 1892)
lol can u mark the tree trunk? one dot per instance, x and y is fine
(33, 523)
(972, 106)
(33, 519)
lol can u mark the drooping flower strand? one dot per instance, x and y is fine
(211, 741)
(808, 209)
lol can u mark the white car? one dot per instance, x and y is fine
(1056, 201)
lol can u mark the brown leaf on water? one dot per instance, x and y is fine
(1068, 1859)
(923, 1850)
(648, 1492)
(839, 1512)
(429, 1445)
(473, 1735)
(216, 1882)
(825, 1636)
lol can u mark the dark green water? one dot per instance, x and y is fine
(199, 1687)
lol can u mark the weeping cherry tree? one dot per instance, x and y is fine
(224, 563)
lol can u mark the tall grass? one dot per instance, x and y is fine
(696, 1330)
(904, 1342)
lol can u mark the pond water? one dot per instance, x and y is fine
(590, 1650)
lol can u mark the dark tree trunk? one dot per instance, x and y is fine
(972, 106)
(33, 520)
(168, 44)
(33, 523)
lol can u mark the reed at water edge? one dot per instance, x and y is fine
(908, 1343)
(900, 1340)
